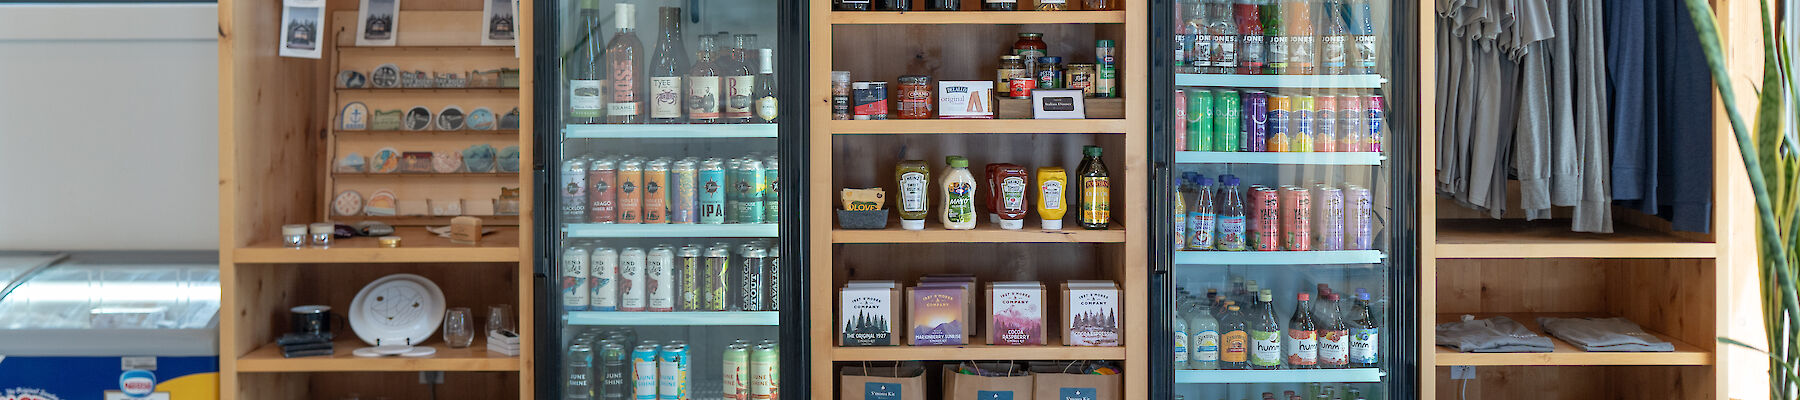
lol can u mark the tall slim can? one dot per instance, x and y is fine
(764, 368)
(1325, 124)
(1227, 126)
(1296, 219)
(1200, 120)
(1328, 217)
(750, 284)
(631, 191)
(684, 196)
(716, 282)
(736, 382)
(732, 197)
(1302, 122)
(574, 277)
(602, 191)
(771, 195)
(656, 191)
(1256, 121)
(574, 189)
(673, 370)
(687, 266)
(750, 183)
(1280, 108)
(772, 274)
(659, 265)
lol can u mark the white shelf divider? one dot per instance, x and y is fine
(680, 318)
(672, 230)
(661, 131)
(1281, 81)
(1278, 257)
(1279, 376)
(1313, 158)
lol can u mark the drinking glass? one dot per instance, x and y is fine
(458, 332)
(499, 318)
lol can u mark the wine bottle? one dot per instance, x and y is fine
(666, 71)
(766, 104)
(586, 71)
(703, 85)
(624, 57)
(739, 81)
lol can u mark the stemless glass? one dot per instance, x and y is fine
(458, 332)
(499, 318)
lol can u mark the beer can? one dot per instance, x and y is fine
(750, 283)
(659, 265)
(574, 277)
(712, 191)
(1200, 120)
(1376, 106)
(1301, 139)
(1351, 118)
(751, 184)
(1227, 126)
(574, 194)
(772, 195)
(772, 279)
(732, 197)
(684, 193)
(1182, 139)
(1256, 121)
(1328, 217)
(1325, 124)
(643, 372)
(602, 191)
(1359, 226)
(613, 364)
(1266, 221)
(631, 279)
(687, 272)
(656, 191)
(603, 279)
(765, 363)
(578, 378)
(736, 384)
(1280, 108)
(631, 193)
(1296, 219)
(674, 367)
(717, 279)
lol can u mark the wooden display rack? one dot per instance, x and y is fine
(275, 163)
(966, 45)
(1676, 285)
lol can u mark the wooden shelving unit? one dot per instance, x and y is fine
(862, 153)
(275, 169)
(1568, 354)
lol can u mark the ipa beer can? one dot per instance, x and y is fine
(772, 194)
(1328, 217)
(1301, 139)
(602, 191)
(604, 279)
(656, 191)
(574, 189)
(659, 265)
(631, 279)
(574, 277)
(1296, 219)
(750, 285)
(715, 283)
(1325, 126)
(643, 372)
(1280, 109)
(687, 272)
(631, 191)
(684, 195)
(673, 365)
(712, 191)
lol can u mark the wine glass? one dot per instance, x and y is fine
(499, 318)
(457, 330)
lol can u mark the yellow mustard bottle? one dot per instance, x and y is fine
(1052, 199)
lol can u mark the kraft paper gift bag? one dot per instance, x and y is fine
(902, 382)
(1077, 387)
(975, 387)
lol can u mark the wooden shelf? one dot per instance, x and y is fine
(416, 246)
(1310, 158)
(473, 358)
(975, 17)
(1567, 354)
(429, 90)
(433, 175)
(947, 126)
(434, 133)
(1484, 238)
(977, 352)
(984, 232)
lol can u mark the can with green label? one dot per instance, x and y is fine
(1200, 120)
(1227, 109)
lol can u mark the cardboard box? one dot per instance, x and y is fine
(1016, 313)
(867, 314)
(1091, 314)
(937, 315)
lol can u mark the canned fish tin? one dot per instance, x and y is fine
(674, 368)
(1227, 122)
(684, 192)
(751, 183)
(1296, 219)
(1280, 108)
(574, 277)
(1351, 117)
(614, 367)
(1256, 121)
(1082, 76)
(574, 191)
(750, 285)
(631, 191)
(1359, 222)
(732, 197)
(1376, 106)
(659, 265)
(711, 198)
(772, 195)
(716, 281)
(765, 367)
(1265, 222)
(687, 272)
(603, 279)
(736, 384)
(602, 191)
(1325, 118)
(1302, 124)
(631, 279)
(656, 191)
(644, 371)
(1328, 217)
(772, 278)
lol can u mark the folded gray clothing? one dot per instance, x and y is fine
(1493, 335)
(1604, 334)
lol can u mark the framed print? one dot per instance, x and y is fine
(301, 28)
(377, 22)
(497, 17)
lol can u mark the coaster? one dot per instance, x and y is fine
(352, 163)
(354, 117)
(385, 120)
(447, 162)
(381, 204)
(385, 76)
(386, 160)
(416, 80)
(451, 80)
(415, 162)
(418, 119)
(348, 203)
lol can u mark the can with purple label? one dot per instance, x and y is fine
(1256, 121)
(1359, 215)
(1376, 106)
(1328, 217)
(1296, 219)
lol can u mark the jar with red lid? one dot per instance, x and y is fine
(1029, 47)
(915, 97)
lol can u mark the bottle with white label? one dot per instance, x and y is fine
(1203, 337)
(1365, 337)
(913, 178)
(767, 106)
(1265, 334)
(587, 71)
(624, 61)
(1181, 339)
(958, 192)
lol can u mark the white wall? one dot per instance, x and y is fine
(109, 126)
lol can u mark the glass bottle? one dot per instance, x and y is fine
(1276, 59)
(1231, 215)
(1248, 18)
(1029, 47)
(740, 80)
(1096, 191)
(1203, 338)
(1361, 25)
(1334, 35)
(703, 85)
(666, 71)
(1302, 47)
(999, 5)
(767, 107)
(1334, 335)
(587, 72)
(1052, 5)
(1302, 335)
(1265, 333)
(850, 5)
(1181, 336)
(1225, 38)
(893, 5)
(1365, 337)
(1202, 219)
(625, 59)
(1234, 338)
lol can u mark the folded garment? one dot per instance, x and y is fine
(1604, 334)
(1493, 335)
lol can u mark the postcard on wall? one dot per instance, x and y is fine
(497, 17)
(377, 22)
(301, 26)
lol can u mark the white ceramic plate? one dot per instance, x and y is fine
(402, 307)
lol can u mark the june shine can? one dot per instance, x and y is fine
(1265, 221)
(602, 191)
(1325, 126)
(1328, 217)
(736, 384)
(659, 266)
(656, 191)
(683, 200)
(764, 367)
(1200, 120)
(751, 289)
(1227, 126)
(614, 367)
(1279, 109)
(631, 279)
(687, 272)
(574, 277)
(750, 184)
(1256, 121)
(603, 279)
(712, 191)
(1359, 214)
(631, 191)
(1302, 124)
(673, 369)
(574, 189)
(716, 280)
(1296, 219)
(643, 372)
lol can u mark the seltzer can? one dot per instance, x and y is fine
(615, 369)
(712, 191)
(687, 271)
(1256, 121)
(1325, 124)
(632, 294)
(736, 384)
(574, 277)
(1350, 110)
(644, 371)
(1328, 217)
(1227, 126)
(578, 379)
(1183, 140)
(631, 191)
(674, 368)
(1265, 220)
(574, 189)
(1296, 219)
(750, 285)
(602, 191)
(1376, 106)
(764, 371)
(1302, 124)
(751, 184)
(684, 196)
(603, 279)
(656, 191)
(1359, 226)
(1200, 120)
(659, 265)
(1280, 109)
(715, 283)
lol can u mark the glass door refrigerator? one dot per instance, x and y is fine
(666, 252)
(1284, 159)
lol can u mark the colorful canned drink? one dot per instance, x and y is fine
(683, 195)
(1256, 122)
(1359, 226)
(750, 285)
(764, 367)
(656, 191)
(732, 196)
(643, 372)
(578, 382)
(672, 382)
(659, 265)
(1227, 125)
(602, 191)
(1328, 217)
(603, 279)
(1267, 220)
(714, 284)
(712, 191)
(631, 279)
(1183, 109)
(1296, 219)
(631, 191)
(1200, 120)
(614, 367)
(1376, 106)
(1350, 110)
(736, 384)
(1280, 109)
(687, 272)
(574, 277)
(772, 279)
(1302, 125)
(772, 195)
(751, 183)
(1325, 117)
(574, 195)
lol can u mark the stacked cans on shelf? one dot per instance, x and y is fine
(1261, 218)
(634, 190)
(664, 278)
(1257, 121)
(612, 364)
